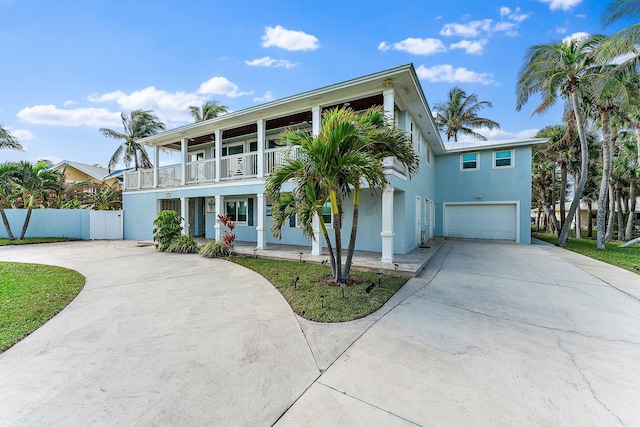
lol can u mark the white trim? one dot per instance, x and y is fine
(506, 202)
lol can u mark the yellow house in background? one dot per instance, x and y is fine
(79, 172)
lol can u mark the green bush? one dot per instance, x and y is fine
(183, 245)
(168, 227)
(215, 249)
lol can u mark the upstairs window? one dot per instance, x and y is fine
(469, 161)
(503, 159)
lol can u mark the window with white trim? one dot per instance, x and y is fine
(195, 156)
(469, 161)
(428, 153)
(503, 159)
(237, 210)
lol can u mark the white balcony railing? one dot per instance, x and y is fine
(201, 171)
(170, 176)
(239, 166)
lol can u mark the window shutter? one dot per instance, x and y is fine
(250, 211)
(292, 221)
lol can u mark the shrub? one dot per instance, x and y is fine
(167, 228)
(215, 249)
(183, 245)
(229, 236)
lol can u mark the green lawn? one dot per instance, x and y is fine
(316, 297)
(627, 258)
(31, 294)
(33, 240)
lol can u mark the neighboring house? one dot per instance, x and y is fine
(584, 212)
(75, 172)
(478, 189)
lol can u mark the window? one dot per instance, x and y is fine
(503, 159)
(428, 154)
(195, 156)
(469, 161)
(230, 150)
(237, 210)
(327, 216)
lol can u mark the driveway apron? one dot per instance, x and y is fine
(155, 339)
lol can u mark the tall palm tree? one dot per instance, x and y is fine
(557, 69)
(209, 110)
(625, 41)
(8, 141)
(35, 181)
(459, 113)
(139, 124)
(331, 166)
(7, 186)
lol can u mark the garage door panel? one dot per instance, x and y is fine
(481, 221)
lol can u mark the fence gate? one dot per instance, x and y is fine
(105, 225)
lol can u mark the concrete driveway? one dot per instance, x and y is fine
(489, 334)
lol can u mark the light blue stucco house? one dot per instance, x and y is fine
(473, 190)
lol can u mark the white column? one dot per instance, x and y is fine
(262, 217)
(389, 103)
(387, 225)
(218, 155)
(219, 211)
(316, 244)
(184, 209)
(260, 147)
(156, 161)
(183, 156)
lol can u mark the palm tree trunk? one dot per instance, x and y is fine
(338, 235)
(620, 211)
(632, 209)
(27, 218)
(352, 238)
(584, 158)
(604, 183)
(552, 216)
(612, 213)
(5, 220)
(332, 255)
(563, 192)
(590, 210)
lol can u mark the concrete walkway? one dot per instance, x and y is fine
(489, 333)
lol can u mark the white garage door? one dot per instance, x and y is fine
(481, 221)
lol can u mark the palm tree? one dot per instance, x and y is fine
(209, 110)
(7, 186)
(557, 69)
(330, 167)
(459, 113)
(8, 141)
(35, 181)
(140, 124)
(625, 41)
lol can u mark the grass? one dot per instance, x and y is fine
(31, 294)
(33, 240)
(316, 297)
(627, 258)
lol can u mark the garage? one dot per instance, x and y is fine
(481, 220)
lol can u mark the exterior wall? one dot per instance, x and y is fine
(72, 223)
(494, 185)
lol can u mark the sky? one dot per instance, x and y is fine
(69, 68)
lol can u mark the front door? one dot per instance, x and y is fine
(418, 221)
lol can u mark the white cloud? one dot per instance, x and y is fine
(504, 11)
(415, 46)
(576, 36)
(447, 73)
(500, 134)
(471, 47)
(514, 15)
(474, 29)
(69, 102)
(22, 134)
(52, 115)
(561, 30)
(221, 86)
(288, 39)
(561, 4)
(267, 61)
(268, 96)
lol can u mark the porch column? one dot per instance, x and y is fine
(218, 155)
(184, 209)
(156, 161)
(260, 229)
(261, 171)
(218, 226)
(316, 243)
(387, 225)
(389, 103)
(183, 161)
(316, 118)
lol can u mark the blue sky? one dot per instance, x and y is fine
(70, 67)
